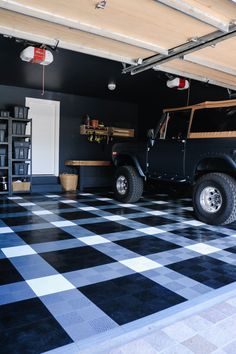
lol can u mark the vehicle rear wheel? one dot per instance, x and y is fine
(128, 185)
(214, 199)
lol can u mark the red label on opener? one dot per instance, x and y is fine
(39, 55)
(182, 83)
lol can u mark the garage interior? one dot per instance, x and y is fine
(79, 268)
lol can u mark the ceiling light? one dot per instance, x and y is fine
(111, 85)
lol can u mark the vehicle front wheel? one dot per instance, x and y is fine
(128, 185)
(214, 199)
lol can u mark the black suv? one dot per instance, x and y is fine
(195, 145)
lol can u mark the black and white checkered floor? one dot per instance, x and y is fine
(75, 267)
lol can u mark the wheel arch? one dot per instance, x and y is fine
(127, 159)
(221, 164)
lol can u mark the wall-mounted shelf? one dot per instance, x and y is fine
(107, 131)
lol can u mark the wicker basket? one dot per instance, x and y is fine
(21, 186)
(69, 181)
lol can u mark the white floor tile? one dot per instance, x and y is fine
(156, 212)
(114, 218)
(93, 240)
(159, 202)
(49, 285)
(26, 204)
(85, 194)
(203, 248)
(52, 196)
(5, 230)
(140, 264)
(104, 199)
(42, 212)
(193, 223)
(88, 208)
(14, 198)
(63, 223)
(151, 230)
(68, 201)
(18, 251)
(126, 205)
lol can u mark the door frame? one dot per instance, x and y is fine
(56, 104)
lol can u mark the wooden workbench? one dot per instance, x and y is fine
(82, 165)
(87, 163)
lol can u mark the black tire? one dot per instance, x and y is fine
(222, 197)
(133, 184)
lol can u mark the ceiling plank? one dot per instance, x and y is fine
(147, 25)
(29, 28)
(218, 13)
(198, 72)
(221, 56)
(81, 25)
(210, 64)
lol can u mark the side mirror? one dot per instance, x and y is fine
(151, 136)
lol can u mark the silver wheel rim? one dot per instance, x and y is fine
(122, 185)
(211, 199)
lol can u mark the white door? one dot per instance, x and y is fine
(45, 116)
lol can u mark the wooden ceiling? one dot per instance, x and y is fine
(128, 30)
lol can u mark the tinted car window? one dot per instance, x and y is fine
(214, 120)
(177, 126)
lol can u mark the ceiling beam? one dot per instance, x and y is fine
(76, 24)
(12, 32)
(197, 13)
(171, 70)
(179, 52)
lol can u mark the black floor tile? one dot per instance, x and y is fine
(95, 203)
(76, 258)
(76, 215)
(147, 245)
(44, 235)
(6, 202)
(55, 206)
(11, 209)
(8, 273)
(28, 327)
(21, 313)
(130, 298)
(231, 249)
(155, 221)
(106, 227)
(159, 207)
(198, 234)
(23, 220)
(183, 213)
(123, 211)
(231, 226)
(206, 270)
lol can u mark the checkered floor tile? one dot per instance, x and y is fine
(76, 266)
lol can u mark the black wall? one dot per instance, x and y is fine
(150, 109)
(72, 112)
